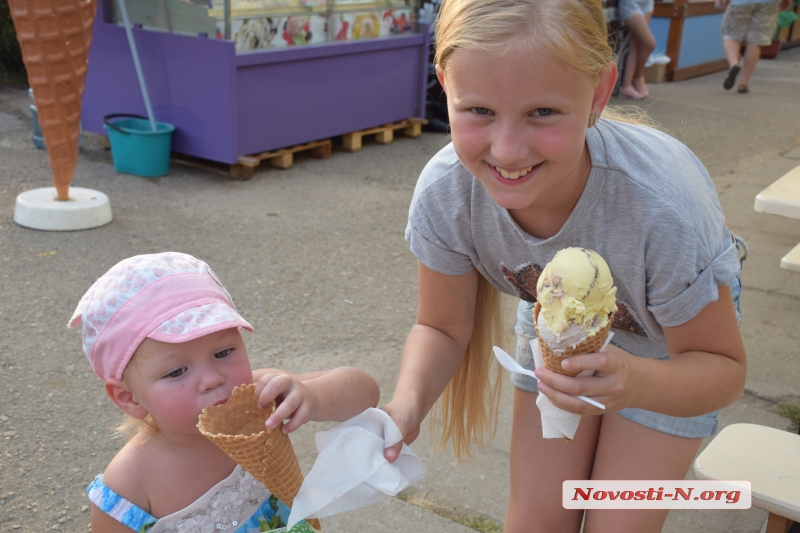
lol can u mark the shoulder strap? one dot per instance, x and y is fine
(118, 507)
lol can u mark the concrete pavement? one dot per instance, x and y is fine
(315, 259)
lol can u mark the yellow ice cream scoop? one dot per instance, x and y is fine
(576, 288)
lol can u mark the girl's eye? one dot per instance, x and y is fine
(177, 372)
(223, 354)
(480, 111)
(543, 112)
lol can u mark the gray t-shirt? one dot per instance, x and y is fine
(649, 209)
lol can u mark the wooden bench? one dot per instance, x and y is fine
(769, 458)
(783, 198)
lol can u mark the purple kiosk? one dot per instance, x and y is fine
(226, 102)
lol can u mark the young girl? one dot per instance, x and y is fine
(532, 169)
(163, 335)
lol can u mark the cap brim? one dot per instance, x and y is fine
(197, 322)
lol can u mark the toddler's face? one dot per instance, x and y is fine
(174, 382)
(519, 124)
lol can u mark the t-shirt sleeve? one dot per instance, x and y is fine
(438, 229)
(687, 259)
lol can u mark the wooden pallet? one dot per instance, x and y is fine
(243, 170)
(284, 158)
(412, 127)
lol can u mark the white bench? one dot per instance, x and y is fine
(783, 198)
(769, 458)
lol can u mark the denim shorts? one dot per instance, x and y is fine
(696, 427)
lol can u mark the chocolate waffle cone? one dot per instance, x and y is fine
(54, 36)
(552, 361)
(237, 428)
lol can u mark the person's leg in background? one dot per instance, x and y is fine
(638, 82)
(642, 44)
(760, 32)
(732, 49)
(751, 55)
(734, 28)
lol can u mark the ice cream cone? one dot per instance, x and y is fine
(54, 36)
(237, 428)
(552, 360)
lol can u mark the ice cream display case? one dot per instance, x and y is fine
(239, 77)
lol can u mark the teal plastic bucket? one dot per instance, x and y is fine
(137, 149)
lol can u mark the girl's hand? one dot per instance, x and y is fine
(408, 425)
(613, 383)
(295, 401)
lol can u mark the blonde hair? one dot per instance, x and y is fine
(574, 31)
(468, 407)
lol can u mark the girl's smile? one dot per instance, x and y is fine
(514, 176)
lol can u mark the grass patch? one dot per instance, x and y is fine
(792, 412)
(481, 523)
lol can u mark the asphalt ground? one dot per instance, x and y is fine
(315, 259)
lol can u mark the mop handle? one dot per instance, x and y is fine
(139, 73)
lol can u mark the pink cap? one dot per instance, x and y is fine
(169, 297)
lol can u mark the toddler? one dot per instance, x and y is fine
(163, 335)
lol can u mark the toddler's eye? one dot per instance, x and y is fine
(480, 111)
(543, 112)
(223, 354)
(177, 372)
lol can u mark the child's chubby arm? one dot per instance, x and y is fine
(326, 395)
(433, 350)
(705, 372)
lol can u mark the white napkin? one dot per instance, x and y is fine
(351, 472)
(556, 422)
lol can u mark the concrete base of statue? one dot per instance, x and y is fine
(40, 209)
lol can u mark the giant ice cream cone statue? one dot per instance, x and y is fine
(237, 428)
(55, 36)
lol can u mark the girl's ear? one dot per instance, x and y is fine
(605, 86)
(123, 398)
(440, 76)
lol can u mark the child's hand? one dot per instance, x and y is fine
(295, 401)
(612, 384)
(408, 426)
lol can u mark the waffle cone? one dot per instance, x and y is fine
(54, 36)
(237, 428)
(552, 361)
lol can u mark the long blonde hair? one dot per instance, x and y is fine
(468, 407)
(574, 31)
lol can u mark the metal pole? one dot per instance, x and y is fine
(139, 73)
